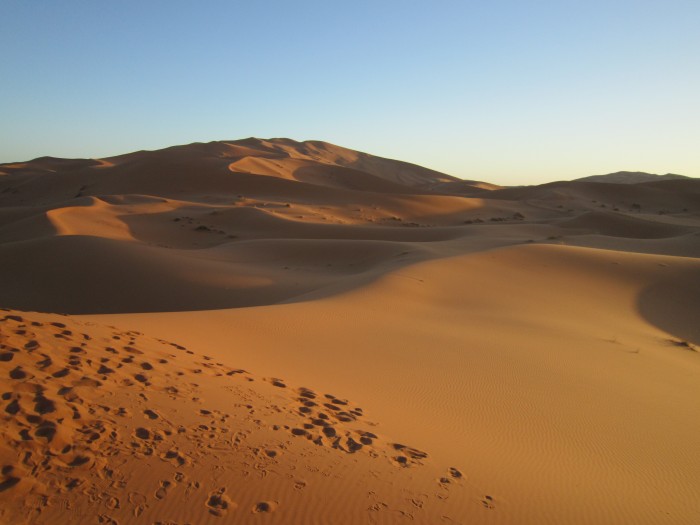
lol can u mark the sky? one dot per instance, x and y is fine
(506, 91)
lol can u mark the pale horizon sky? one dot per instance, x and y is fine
(505, 91)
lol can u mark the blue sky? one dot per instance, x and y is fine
(512, 92)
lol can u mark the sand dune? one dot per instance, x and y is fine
(294, 332)
(630, 177)
(94, 430)
(544, 383)
(617, 225)
(663, 197)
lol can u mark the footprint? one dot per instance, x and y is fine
(401, 460)
(163, 489)
(367, 438)
(455, 473)
(139, 503)
(487, 502)
(350, 445)
(329, 432)
(142, 433)
(417, 503)
(413, 453)
(264, 507)
(44, 363)
(80, 460)
(18, 373)
(174, 457)
(306, 393)
(13, 407)
(8, 483)
(408, 455)
(43, 405)
(87, 382)
(150, 414)
(219, 503)
(191, 487)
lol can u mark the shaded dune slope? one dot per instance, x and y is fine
(616, 225)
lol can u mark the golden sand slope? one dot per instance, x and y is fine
(418, 348)
(530, 368)
(102, 425)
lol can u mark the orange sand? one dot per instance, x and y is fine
(267, 331)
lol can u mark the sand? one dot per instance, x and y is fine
(282, 332)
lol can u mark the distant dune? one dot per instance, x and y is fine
(272, 331)
(630, 177)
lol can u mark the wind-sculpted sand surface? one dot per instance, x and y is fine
(271, 331)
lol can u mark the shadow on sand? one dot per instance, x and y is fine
(673, 305)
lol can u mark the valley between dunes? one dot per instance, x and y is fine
(271, 331)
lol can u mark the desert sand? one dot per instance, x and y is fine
(271, 331)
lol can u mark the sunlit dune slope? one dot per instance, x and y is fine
(547, 372)
(105, 425)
